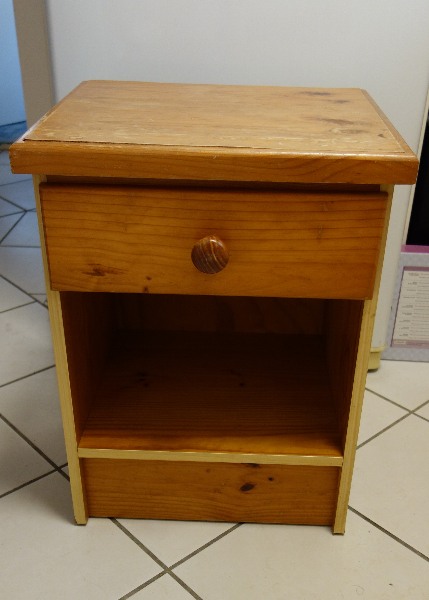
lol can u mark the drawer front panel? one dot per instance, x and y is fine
(137, 239)
(211, 491)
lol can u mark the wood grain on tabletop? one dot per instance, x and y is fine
(191, 131)
(121, 239)
(206, 392)
(211, 491)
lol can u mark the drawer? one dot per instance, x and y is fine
(207, 491)
(280, 243)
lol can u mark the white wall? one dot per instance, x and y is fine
(11, 98)
(379, 45)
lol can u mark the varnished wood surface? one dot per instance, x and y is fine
(288, 119)
(360, 373)
(210, 255)
(260, 397)
(121, 239)
(343, 321)
(88, 331)
(211, 491)
(136, 129)
(239, 393)
(242, 314)
(213, 457)
(59, 340)
(104, 160)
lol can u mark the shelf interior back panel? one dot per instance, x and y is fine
(215, 392)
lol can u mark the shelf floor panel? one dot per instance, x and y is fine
(213, 392)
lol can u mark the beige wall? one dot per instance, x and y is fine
(31, 29)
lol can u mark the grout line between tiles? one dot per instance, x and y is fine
(185, 586)
(13, 227)
(10, 214)
(155, 558)
(420, 406)
(409, 412)
(383, 430)
(61, 472)
(394, 537)
(420, 417)
(141, 587)
(139, 544)
(15, 182)
(402, 360)
(11, 201)
(192, 554)
(23, 291)
(35, 297)
(29, 442)
(25, 376)
(19, 306)
(388, 399)
(28, 483)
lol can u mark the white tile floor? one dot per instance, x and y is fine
(43, 555)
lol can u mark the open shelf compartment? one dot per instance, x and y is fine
(265, 385)
(248, 397)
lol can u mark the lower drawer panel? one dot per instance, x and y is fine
(211, 491)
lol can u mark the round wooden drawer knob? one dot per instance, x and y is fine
(210, 255)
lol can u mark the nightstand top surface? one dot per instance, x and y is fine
(285, 128)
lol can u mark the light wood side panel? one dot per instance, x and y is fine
(67, 410)
(203, 392)
(212, 457)
(211, 491)
(300, 245)
(163, 312)
(362, 359)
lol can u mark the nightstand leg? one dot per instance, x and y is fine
(354, 416)
(74, 463)
(364, 350)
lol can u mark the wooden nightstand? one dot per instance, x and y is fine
(230, 396)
